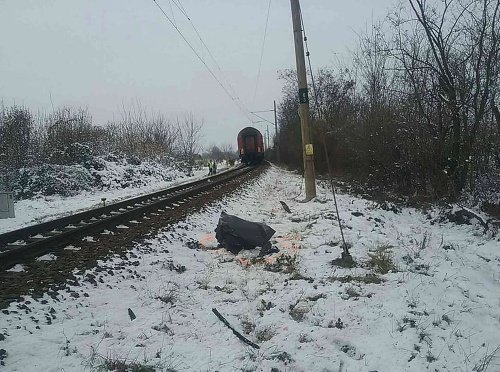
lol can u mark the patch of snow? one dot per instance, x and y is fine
(47, 257)
(17, 268)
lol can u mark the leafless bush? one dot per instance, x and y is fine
(68, 136)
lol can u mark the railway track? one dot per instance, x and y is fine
(32, 241)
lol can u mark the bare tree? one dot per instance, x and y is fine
(16, 124)
(457, 47)
(145, 135)
(188, 138)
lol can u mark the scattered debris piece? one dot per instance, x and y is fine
(285, 207)
(236, 234)
(357, 214)
(131, 314)
(236, 333)
(268, 249)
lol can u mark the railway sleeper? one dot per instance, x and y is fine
(36, 239)
(10, 246)
(14, 252)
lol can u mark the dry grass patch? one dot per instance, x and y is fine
(247, 325)
(265, 334)
(352, 292)
(367, 279)
(168, 293)
(284, 263)
(381, 261)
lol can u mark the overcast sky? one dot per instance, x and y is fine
(106, 54)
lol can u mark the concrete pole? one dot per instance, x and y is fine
(268, 142)
(307, 147)
(276, 134)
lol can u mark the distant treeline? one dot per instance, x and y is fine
(417, 111)
(68, 136)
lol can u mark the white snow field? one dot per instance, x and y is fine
(436, 307)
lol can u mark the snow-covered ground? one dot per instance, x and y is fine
(41, 209)
(436, 307)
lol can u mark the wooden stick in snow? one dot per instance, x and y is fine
(285, 207)
(237, 334)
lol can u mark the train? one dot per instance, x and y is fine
(250, 146)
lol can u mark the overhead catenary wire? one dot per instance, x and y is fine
(262, 51)
(179, 6)
(262, 118)
(200, 58)
(233, 92)
(172, 11)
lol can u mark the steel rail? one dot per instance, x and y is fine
(31, 241)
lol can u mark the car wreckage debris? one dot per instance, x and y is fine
(236, 234)
(285, 207)
(237, 334)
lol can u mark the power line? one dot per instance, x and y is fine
(256, 112)
(263, 119)
(236, 99)
(199, 57)
(180, 7)
(172, 11)
(262, 51)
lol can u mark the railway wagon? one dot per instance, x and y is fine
(250, 146)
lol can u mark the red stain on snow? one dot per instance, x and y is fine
(287, 244)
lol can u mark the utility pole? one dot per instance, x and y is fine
(268, 142)
(276, 139)
(307, 147)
